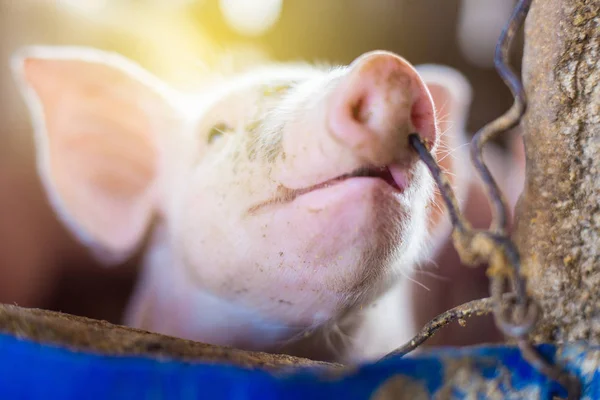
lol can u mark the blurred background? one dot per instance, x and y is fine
(41, 265)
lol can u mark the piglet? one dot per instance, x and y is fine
(284, 205)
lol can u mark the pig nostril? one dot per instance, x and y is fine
(416, 117)
(423, 120)
(356, 110)
(360, 112)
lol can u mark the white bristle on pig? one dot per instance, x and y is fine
(290, 208)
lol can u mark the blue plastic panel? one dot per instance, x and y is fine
(30, 370)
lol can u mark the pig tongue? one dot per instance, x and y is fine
(399, 175)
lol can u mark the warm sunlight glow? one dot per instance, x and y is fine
(251, 17)
(87, 6)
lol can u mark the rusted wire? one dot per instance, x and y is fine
(471, 309)
(507, 121)
(517, 314)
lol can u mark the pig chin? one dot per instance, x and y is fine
(339, 248)
(309, 260)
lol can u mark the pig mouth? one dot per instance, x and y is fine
(394, 176)
(383, 173)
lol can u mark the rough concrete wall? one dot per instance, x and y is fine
(558, 215)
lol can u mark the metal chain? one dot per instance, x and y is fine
(515, 313)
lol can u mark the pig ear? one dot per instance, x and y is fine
(451, 94)
(96, 118)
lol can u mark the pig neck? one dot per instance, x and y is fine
(364, 333)
(166, 301)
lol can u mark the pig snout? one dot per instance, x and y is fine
(377, 105)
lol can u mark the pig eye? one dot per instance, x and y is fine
(217, 132)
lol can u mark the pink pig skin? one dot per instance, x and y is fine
(289, 210)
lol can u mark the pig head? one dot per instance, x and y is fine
(285, 199)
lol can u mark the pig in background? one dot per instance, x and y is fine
(43, 249)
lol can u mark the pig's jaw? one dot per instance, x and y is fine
(166, 301)
(304, 263)
(290, 267)
(315, 267)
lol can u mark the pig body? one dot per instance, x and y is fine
(289, 205)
